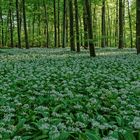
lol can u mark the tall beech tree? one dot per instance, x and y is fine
(46, 24)
(25, 24)
(86, 42)
(103, 42)
(11, 23)
(58, 24)
(55, 25)
(64, 23)
(1, 25)
(130, 23)
(116, 23)
(90, 27)
(138, 26)
(18, 24)
(121, 33)
(77, 25)
(71, 18)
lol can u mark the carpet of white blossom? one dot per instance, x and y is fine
(53, 94)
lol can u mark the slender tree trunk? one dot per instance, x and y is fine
(25, 25)
(90, 30)
(2, 31)
(33, 29)
(86, 42)
(130, 24)
(20, 16)
(39, 23)
(72, 41)
(124, 31)
(55, 26)
(77, 25)
(109, 28)
(29, 26)
(39, 28)
(117, 21)
(138, 26)
(6, 36)
(95, 25)
(18, 23)
(99, 32)
(67, 27)
(11, 24)
(103, 42)
(0, 25)
(59, 24)
(64, 23)
(121, 33)
(46, 25)
(81, 32)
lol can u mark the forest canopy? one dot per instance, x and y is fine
(63, 23)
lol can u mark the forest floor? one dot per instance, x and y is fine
(54, 94)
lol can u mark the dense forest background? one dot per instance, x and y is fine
(62, 23)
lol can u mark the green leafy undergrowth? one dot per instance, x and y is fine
(57, 95)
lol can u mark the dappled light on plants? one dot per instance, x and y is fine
(69, 96)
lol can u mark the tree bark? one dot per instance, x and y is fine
(11, 24)
(18, 24)
(117, 21)
(130, 24)
(77, 25)
(25, 25)
(121, 33)
(138, 26)
(55, 26)
(59, 24)
(2, 31)
(64, 23)
(86, 37)
(46, 25)
(90, 28)
(72, 40)
(103, 42)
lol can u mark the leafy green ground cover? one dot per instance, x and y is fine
(56, 95)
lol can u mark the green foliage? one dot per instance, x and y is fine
(69, 96)
(36, 22)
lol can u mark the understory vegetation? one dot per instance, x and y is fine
(70, 96)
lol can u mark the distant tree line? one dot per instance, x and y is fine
(73, 23)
